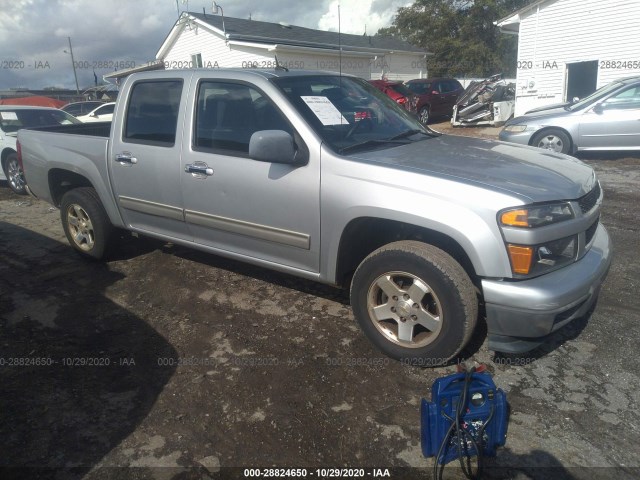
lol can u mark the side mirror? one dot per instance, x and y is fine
(598, 108)
(575, 99)
(274, 146)
(435, 92)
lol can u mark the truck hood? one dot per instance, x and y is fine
(532, 174)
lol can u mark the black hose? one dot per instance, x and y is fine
(463, 437)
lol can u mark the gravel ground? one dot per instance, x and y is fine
(171, 364)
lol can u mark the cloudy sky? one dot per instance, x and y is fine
(33, 33)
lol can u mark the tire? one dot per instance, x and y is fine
(85, 222)
(424, 115)
(555, 140)
(13, 172)
(427, 288)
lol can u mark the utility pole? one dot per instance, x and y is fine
(73, 63)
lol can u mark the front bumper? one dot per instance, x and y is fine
(522, 314)
(522, 138)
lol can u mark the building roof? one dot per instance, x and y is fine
(253, 31)
(511, 23)
(153, 65)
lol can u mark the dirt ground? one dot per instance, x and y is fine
(167, 363)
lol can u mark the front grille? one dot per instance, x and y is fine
(590, 199)
(591, 231)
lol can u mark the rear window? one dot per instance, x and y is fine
(401, 89)
(152, 113)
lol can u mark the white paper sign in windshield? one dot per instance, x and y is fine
(8, 116)
(326, 111)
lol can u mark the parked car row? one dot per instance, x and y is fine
(425, 97)
(15, 117)
(12, 119)
(608, 119)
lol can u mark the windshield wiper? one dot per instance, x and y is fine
(408, 133)
(368, 143)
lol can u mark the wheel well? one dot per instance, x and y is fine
(5, 153)
(61, 181)
(549, 129)
(364, 235)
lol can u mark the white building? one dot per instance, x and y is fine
(213, 41)
(570, 48)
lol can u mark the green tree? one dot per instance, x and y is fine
(460, 35)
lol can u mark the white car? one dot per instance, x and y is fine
(12, 119)
(104, 113)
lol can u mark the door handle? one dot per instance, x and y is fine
(126, 158)
(198, 169)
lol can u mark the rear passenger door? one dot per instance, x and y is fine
(145, 158)
(268, 211)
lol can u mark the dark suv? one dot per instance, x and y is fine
(436, 96)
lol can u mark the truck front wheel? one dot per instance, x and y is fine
(414, 302)
(85, 222)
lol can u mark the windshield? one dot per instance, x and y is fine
(349, 114)
(14, 120)
(595, 96)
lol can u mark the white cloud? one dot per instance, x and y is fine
(62, 32)
(356, 16)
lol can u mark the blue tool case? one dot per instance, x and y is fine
(482, 420)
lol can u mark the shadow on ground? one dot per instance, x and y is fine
(78, 373)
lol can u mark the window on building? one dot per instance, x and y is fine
(196, 60)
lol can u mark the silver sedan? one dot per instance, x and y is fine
(608, 119)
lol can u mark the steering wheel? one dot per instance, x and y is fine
(365, 120)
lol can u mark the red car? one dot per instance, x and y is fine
(398, 92)
(436, 96)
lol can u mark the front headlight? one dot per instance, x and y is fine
(515, 128)
(536, 215)
(531, 260)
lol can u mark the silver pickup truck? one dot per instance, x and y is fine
(322, 176)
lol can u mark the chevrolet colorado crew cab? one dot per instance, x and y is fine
(322, 176)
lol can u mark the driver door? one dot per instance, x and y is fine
(268, 211)
(613, 123)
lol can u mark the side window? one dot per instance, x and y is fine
(152, 113)
(228, 114)
(106, 110)
(627, 99)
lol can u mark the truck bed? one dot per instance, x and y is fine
(95, 129)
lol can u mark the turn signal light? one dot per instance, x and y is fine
(520, 258)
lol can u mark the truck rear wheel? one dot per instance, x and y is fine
(414, 302)
(85, 222)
